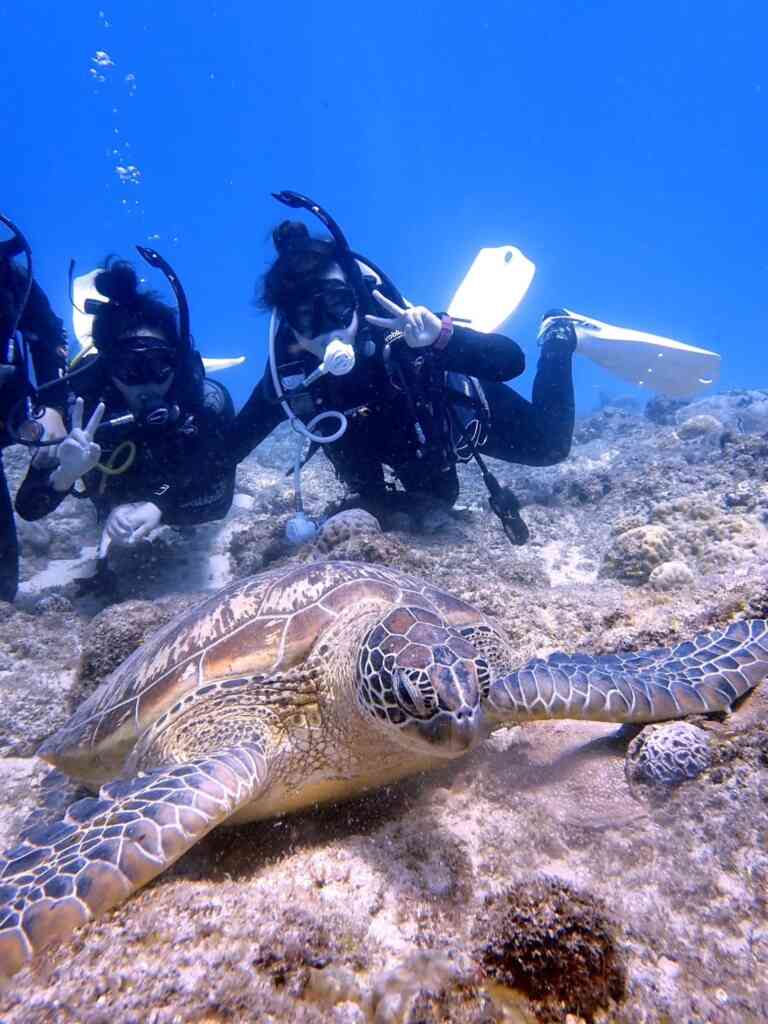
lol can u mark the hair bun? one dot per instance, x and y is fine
(118, 283)
(291, 234)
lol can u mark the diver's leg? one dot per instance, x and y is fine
(433, 484)
(539, 432)
(9, 545)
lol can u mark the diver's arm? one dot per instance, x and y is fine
(491, 357)
(36, 496)
(202, 492)
(183, 506)
(255, 421)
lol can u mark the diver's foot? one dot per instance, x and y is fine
(557, 333)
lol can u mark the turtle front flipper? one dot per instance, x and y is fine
(705, 674)
(107, 847)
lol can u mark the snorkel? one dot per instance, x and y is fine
(340, 356)
(14, 353)
(338, 359)
(34, 406)
(14, 247)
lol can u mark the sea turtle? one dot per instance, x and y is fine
(301, 685)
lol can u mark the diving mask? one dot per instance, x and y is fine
(329, 306)
(144, 362)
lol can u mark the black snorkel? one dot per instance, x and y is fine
(345, 257)
(91, 307)
(154, 259)
(8, 250)
(12, 356)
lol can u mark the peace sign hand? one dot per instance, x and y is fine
(78, 453)
(419, 325)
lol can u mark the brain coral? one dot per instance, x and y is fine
(667, 754)
(670, 576)
(702, 425)
(634, 554)
(344, 526)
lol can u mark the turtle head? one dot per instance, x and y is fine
(422, 682)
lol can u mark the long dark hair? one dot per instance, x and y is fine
(301, 259)
(130, 308)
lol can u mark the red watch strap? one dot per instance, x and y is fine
(446, 333)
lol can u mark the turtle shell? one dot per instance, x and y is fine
(258, 626)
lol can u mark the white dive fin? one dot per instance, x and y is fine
(648, 360)
(493, 288)
(84, 288)
(212, 365)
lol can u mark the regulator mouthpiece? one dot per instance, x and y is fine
(300, 529)
(339, 357)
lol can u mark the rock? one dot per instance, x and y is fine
(634, 554)
(699, 426)
(663, 411)
(671, 576)
(35, 536)
(745, 412)
(667, 754)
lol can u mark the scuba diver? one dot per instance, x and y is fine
(152, 449)
(377, 382)
(33, 343)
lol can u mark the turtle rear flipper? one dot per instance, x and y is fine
(698, 676)
(107, 847)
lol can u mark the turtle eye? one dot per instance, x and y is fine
(414, 698)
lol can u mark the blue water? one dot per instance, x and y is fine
(623, 149)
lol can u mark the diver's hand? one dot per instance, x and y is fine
(53, 429)
(131, 522)
(78, 453)
(419, 325)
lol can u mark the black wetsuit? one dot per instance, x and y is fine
(381, 414)
(46, 340)
(183, 468)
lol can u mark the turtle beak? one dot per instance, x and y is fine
(453, 733)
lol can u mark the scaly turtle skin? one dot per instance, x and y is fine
(301, 685)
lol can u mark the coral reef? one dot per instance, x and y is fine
(670, 576)
(699, 426)
(636, 552)
(115, 633)
(663, 411)
(367, 910)
(343, 526)
(707, 533)
(556, 945)
(668, 754)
